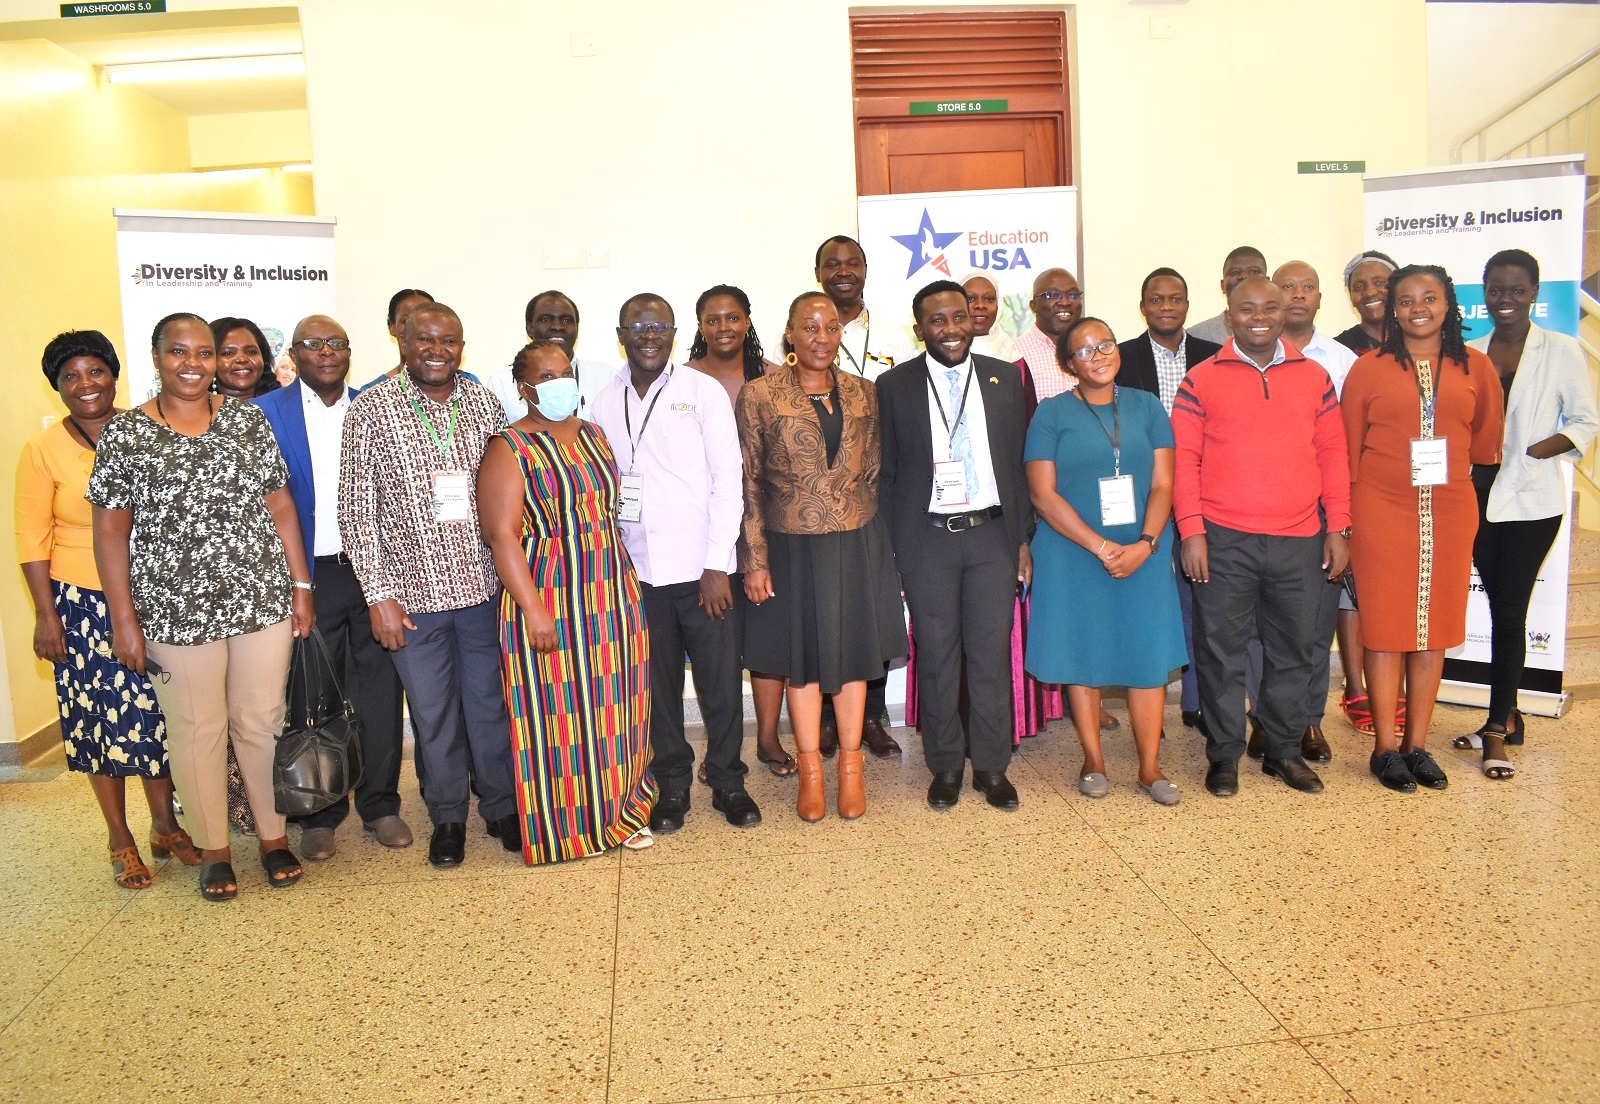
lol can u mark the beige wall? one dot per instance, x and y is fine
(74, 149)
(253, 138)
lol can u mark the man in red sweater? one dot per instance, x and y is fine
(1261, 459)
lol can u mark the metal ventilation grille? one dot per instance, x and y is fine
(931, 55)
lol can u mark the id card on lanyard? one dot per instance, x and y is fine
(630, 504)
(1430, 455)
(449, 491)
(1118, 505)
(950, 476)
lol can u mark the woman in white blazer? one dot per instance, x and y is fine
(1550, 416)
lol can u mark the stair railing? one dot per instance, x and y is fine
(1478, 137)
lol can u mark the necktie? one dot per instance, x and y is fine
(961, 443)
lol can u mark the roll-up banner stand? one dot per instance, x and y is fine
(1009, 235)
(1459, 217)
(273, 270)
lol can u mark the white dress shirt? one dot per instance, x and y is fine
(684, 445)
(988, 493)
(1331, 355)
(592, 377)
(860, 353)
(324, 432)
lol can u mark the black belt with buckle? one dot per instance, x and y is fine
(960, 523)
(336, 558)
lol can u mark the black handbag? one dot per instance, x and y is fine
(318, 757)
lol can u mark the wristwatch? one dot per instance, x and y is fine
(1153, 542)
(1345, 532)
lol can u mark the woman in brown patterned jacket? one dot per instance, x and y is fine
(815, 555)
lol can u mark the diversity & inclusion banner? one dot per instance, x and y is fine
(273, 270)
(1459, 216)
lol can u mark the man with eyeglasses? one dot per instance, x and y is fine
(682, 502)
(552, 316)
(1056, 304)
(1245, 262)
(1262, 500)
(307, 417)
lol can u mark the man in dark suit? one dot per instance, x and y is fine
(1156, 361)
(307, 417)
(953, 492)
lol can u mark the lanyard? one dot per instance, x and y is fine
(455, 405)
(1114, 435)
(1428, 394)
(627, 417)
(866, 326)
(961, 411)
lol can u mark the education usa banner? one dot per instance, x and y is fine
(1009, 235)
(273, 270)
(1458, 217)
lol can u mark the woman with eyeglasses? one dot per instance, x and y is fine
(110, 724)
(1100, 463)
(208, 599)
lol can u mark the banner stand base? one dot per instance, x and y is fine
(1528, 701)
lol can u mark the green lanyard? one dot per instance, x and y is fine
(455, 404)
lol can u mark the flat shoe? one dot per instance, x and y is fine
(1094, 784)
(1390, 768)
(213, 877)
(786, 767)
(317, 844)
(1426, 770)
(640, 840)
(1162, 792)
(390, 832)
(281, 860)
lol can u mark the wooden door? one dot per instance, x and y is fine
(1014, 63)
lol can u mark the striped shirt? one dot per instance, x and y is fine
(1036, 351)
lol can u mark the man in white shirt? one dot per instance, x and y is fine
(677, 448)
(552, 316)
(307, 417)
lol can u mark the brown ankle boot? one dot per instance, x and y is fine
(812, 801)
(852, 787)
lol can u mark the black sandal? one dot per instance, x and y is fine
(213, 877)
(1516, 733)
(278, 861)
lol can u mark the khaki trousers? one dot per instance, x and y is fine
(232, 685)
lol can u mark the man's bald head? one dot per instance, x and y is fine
(320, 322)
(323, 369)
(1057, 301)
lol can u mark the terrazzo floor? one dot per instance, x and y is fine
(1353, 946)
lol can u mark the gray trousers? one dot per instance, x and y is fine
(1327, 601)
(1266, 584)
(450, 668)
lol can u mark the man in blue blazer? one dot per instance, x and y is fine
(307, 417)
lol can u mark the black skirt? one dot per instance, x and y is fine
(835, 615)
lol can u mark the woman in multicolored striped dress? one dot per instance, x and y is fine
(575, 654)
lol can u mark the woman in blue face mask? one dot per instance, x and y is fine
(576, 658)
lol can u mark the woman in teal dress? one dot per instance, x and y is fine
(1105, 606)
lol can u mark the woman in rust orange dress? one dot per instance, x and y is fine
(1419, 411)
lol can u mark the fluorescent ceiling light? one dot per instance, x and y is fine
(298, 167)
(223, 68)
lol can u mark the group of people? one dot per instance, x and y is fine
(528, 560)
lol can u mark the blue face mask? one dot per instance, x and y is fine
(558, 398)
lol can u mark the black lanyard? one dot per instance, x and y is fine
(961, 411)
(859, 365)
(1114, 435)
(627, 418)
(92, 445)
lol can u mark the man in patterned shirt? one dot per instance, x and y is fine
(1057, 303)
(408, 515)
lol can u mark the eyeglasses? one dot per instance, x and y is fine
(1089, 352)
(1052, 295)
(661, 328)
(312, 344)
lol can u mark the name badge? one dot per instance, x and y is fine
(452, 496)
(1430, 462)
(631, 506)
(950, 483)
(1116, 501)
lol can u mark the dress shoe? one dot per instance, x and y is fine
(1426, 770)
(852, 786)
(1222, 779)
(1389, 767)
(1257, 747)
(878, 741)
(390, 831)
(738, 806)
(1294, 773)
(811, 801)
(1193, 718)
(318, 844)
(1313, 747)
(828, 740)
(996, 789)
(668, 814)
(945, 790)
(449, 844)
(508, 830)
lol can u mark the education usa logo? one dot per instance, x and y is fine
(1463, 222)
(930, 248)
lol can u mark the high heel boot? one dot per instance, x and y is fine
(852, 786)
(812, 800)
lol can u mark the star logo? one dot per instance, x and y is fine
(927, 246)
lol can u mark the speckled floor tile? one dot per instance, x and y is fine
(1350, 916)
(1560, 750)
(496, 989)
(1265, 1073)
(48, 936)
(796, 972)
(1539, 1056)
